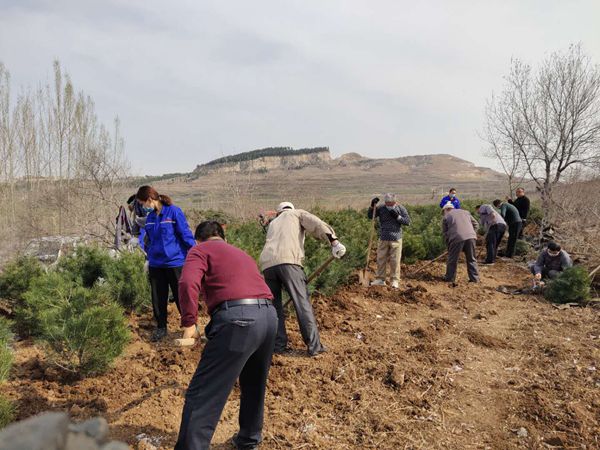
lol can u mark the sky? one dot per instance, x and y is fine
(193, 80)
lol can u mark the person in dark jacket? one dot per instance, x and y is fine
(392, 217)
(460, 233)
(169, 238)
(494, 227)
(551, 262)
(511, 216)
(452, 198)
(241, 338)
(522, 204)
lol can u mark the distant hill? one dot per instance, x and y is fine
(309, 177)
(265, 159)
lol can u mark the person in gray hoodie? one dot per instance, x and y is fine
(460, 234)
(551, 262)
(494, 226)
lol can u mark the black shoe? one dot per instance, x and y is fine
(473, 281)
(283, 351)
(242, 446)
(314, 353)
(159, 334)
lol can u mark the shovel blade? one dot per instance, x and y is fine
(363, 278)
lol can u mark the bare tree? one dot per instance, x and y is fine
(59, 162)
(546, 122)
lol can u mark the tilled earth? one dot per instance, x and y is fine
(428, 366)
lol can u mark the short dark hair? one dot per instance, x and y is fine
(452, 189)
(497, 202)
(208, 229)
(553, 246)
(477, 207)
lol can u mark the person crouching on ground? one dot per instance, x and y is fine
(460, 234)
(392, 216)
(241, 337)
(168, 238)
(551, 261)
(494, 226)
(281, 262)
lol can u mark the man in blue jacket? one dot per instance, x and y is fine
(452, 198)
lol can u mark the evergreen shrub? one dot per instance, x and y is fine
(572, 285)
(17, 275)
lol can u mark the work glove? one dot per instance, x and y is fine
(146, 267)
(374, 202)
(134, 242)
(338, 250)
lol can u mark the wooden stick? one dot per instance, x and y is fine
(430, 262)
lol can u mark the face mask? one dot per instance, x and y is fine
(452, 195)
(389, 208)
(553, 253)
(148, 209)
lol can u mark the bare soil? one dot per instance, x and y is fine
(426, 367)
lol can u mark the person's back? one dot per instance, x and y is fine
(229, 273)
(510, 213)
(459, 225)
(285, 237)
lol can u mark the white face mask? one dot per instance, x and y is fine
(553, 253)
(389, 208)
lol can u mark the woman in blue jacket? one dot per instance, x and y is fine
(168, 238)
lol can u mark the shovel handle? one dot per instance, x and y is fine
(316, 273)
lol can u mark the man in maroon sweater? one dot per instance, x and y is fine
(241, 337)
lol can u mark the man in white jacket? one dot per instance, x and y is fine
(281, 262)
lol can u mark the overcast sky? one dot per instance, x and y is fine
(194, 80)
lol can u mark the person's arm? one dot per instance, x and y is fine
(503, 209)
(190, 282)
(445, 230)
(443, 202)
(474, 223)
(457, 206)
(526, 205)
(565, 260)
(539, 264)
(183, 229)
(316, 227)
(403, 218)
(370, 212)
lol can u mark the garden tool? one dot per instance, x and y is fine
(363, 275)
(188, 342)
(316, 273)
(429, 263)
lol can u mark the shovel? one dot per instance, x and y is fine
(188, 342)
(429, 263)
(315, 274)
(363, 275)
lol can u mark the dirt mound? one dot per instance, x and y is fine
(426, 366)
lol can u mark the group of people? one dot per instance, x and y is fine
(247, 318)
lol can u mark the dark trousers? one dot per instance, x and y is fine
(161, 279)
(514, 230)
(240, 345)
(292, 278)
(454, 251)
(523, 223)
(493, 240)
